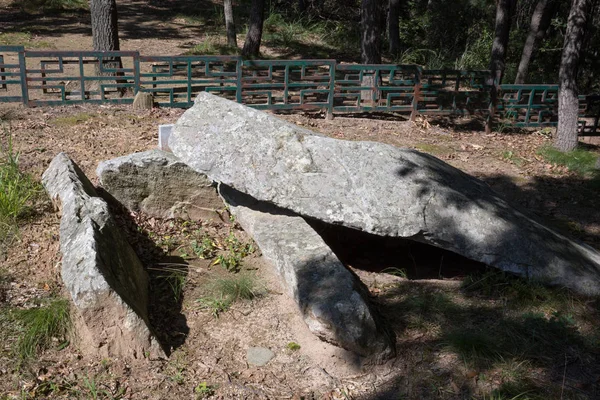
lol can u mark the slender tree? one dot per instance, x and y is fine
(504, 12)
(540, 21)
(393, 26)
(229, 23)
(254, 36)
(568, 102)
(370, 21)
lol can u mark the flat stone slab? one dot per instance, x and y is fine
(158, 184)
(259, 356)
(102, 273)
(376, 188)
(333, 302)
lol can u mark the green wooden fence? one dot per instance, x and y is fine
(42, 78)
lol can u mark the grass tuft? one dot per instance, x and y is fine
(223, 292)
(580, 161)
(16, 191)
(39, 326)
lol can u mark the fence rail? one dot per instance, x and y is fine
(40, 78)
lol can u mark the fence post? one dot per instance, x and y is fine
(239, 70)
(23, 74)
(331, 95)
(136, 73)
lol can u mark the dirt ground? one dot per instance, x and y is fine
(208, 358)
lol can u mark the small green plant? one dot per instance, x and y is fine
(579, 161)
(39, 326)
(215, 305)
(234, 252)
(178, 377)
(396, 272)
(510, 156)
(205, 249)
(293, 346)
(203, 390)
(175, 277)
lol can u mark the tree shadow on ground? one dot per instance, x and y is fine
(166, 273)
(490, 344)
(567, 204)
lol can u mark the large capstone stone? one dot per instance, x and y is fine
(158, 184)
(102, 273)
(333, 302)
(376, 188)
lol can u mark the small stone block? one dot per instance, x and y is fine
(259, 356)
(164, 131)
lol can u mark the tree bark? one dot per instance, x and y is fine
(540, 21)
(230, 23)
(105, 37)
(254, 36)
(393, 27)
(370, 21)
(105, 32)
(568, 102)
(504, 11)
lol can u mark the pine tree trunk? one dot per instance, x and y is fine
(568, 102)
(105, 37)
(540, 21)
(504, 11)
(105, 33)
(393, 27)
(254, 36)
(230, 24)
(370, 44)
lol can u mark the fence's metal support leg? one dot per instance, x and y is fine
(23, 76)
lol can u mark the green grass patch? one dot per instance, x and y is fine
(72, 120)
(580, 161)
(22, 39)
(433, 149)
(53, 5)
(17, 190)
(514, 290)
(512, 157)
(38, 327)
(176, 279)
(224, 291)
(212, 46)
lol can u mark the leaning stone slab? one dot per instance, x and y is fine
(158, 184)
(104, 276)
(376, 188)
(333, 302)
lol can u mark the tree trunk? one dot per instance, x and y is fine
(504, 11)
(230, 24)
(393, 27)
(105, 37)
(370, 20)
(254, 36)
(105, 33)
(540, 21)
(568, 103)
